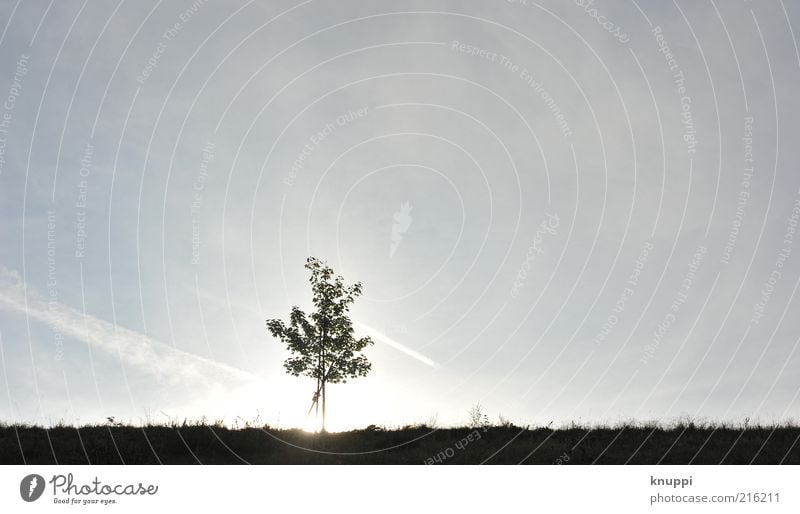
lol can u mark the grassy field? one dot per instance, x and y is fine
(216, 444)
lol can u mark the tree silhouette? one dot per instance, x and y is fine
(322, 345)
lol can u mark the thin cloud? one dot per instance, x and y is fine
(134, 349)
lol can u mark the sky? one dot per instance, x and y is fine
(560, 211)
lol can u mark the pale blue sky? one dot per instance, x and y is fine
(543, 147)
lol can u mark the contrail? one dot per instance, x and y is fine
(134, 349)
(383, 338)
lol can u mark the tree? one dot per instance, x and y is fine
(322, 344)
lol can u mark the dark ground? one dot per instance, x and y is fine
(214, 444)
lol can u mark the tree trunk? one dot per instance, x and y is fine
(323, 406)
(316, 404)
(321, 385)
